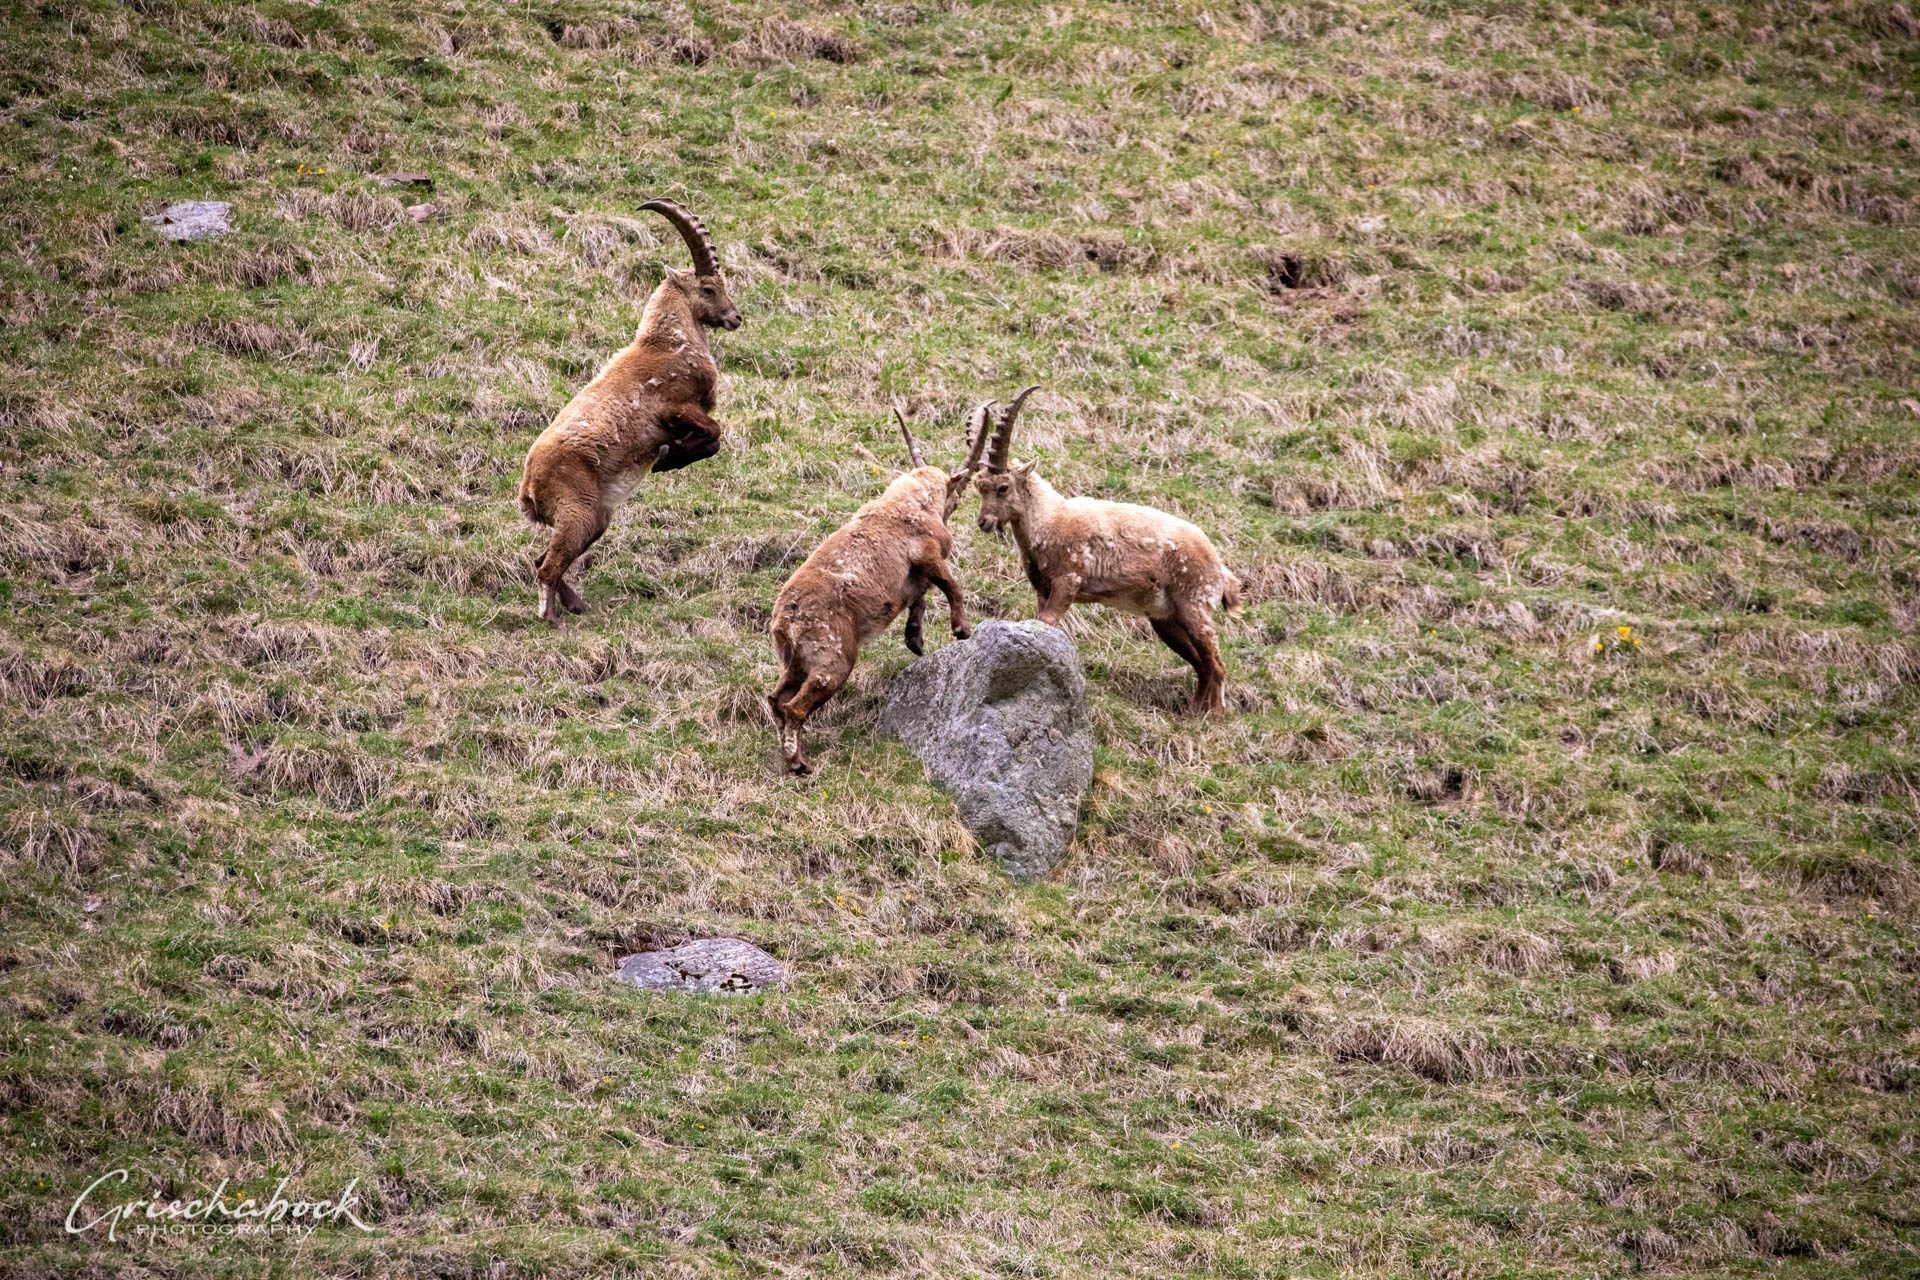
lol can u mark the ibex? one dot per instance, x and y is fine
(858, 580)
(1131, 558)
(647, 410)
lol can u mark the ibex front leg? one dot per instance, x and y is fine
(1060, 599)
(937, 573)
(916, 613)
(696, 436)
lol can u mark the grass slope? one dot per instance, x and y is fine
(1545, 906)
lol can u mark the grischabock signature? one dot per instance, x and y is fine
(221, 1210)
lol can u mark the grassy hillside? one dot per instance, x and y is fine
(1545, 906)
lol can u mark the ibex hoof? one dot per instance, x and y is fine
(960, 633)
(916, 643)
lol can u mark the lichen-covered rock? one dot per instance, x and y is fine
(1001, 723)
(191, 220)
(726, 966)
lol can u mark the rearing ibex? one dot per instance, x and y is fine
(647, 410)
(856, 582)
(1131, 558)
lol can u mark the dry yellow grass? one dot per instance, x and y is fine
(1483, 938)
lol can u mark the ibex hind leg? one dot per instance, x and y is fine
(1197, 649)
(1175, 637)
(790, 682)
(817, 688)
(574, 530)
(1210, 698)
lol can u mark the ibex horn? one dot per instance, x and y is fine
(977, 436)
(1003, 433)
(693, 231)
(913, 446)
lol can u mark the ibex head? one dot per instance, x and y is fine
(704, 287)
(956, 481)
(1003, 487)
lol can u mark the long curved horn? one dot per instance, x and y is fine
(913, 446)
(1003, 432)
(977, 436)
(693, 231)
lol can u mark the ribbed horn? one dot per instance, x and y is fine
(693, 231)
(913, 446)
(1003, 432)
(977, 436)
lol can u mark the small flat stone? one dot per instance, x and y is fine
(718, 966)
(192, 220)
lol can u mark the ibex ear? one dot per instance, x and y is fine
(1021, 470)
(685, 279)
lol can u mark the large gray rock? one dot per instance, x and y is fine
(191, 220)
(724, 965)
(1000, 721)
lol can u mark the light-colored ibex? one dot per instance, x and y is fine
(647, 410)
(857, 581)
(1131, 558)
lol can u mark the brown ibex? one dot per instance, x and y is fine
(1131, 558)
(647, 410)
(857, 581)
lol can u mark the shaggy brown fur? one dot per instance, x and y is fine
(1127, 557)
(858, 580)
(647, 410)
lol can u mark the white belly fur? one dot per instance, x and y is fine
(626, 485)
(1156, 604)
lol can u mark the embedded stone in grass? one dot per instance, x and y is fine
(1001, 723)
(724, 966)
(192, 220)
